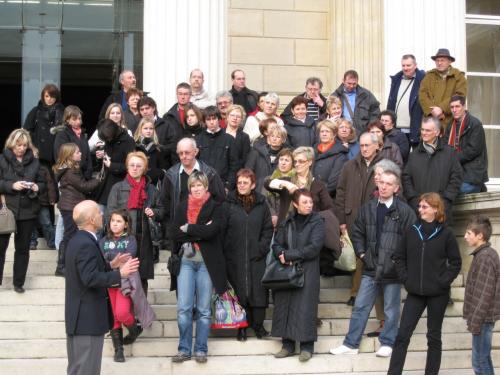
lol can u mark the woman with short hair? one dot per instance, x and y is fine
(131, 114)
(271, 105)
(388, 149)
(333, 108)
(301, 128)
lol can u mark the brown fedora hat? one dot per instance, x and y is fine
(443, 52)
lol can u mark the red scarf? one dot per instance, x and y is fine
(453, 133)
(182, 114)
(324, 147)
(77, 131)
(137, 192)
(194, 208)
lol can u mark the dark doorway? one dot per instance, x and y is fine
(10, 107)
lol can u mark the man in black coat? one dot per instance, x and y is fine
(433, 166)
(127, 81)
(377, 233)
(88, 314)
(242, 95)
(465, 134)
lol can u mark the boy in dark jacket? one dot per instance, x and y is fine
(482, 293)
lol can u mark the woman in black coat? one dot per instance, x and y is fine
(20, 183)
(295, 310)
(146, 141)
(197, 234)
(41, 119)
(235, 119)
(427, 264)
(248, 233)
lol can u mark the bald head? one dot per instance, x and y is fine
(84, 215)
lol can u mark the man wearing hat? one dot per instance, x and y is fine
(439, 85)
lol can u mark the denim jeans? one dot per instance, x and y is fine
(193, 282)
(467, 188)
(365, 300)
(481, 351)
(47, 227)
(59, 231)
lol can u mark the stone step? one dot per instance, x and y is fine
(163, 347)
(453, 363)
(26, 330)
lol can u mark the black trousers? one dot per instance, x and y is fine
(22, 240)
(412, 311)
(255, 316)
(305, 346)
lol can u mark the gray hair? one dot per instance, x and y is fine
(120, 78)
(308, 152)
(313, 81)
(373, 137)
(189, 140)
(272, 97)
(434, 120)
(388, 165)
(223, 94)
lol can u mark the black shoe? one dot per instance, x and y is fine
(319, 322)
(19, 289)
(117, 339)
(33, 246)
(351, 301)
(260, 332)
(450, 302)
(133, 333)
(59, 271)
(180, 357)
(242, 334)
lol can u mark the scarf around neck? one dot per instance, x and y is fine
(193, 210)
(138, 194)
(453, 140)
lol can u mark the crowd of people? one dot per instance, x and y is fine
(223, 181)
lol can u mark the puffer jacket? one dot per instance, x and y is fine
(328, 166)
(73, 187)
(377, 260)
(301, 133)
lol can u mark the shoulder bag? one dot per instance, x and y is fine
(7, 219)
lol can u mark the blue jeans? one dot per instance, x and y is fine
(193, 282)
(47, 227)
(467, 188)
(59, 231)
(365, 300)
(481, 351)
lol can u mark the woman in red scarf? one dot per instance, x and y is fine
(196, 232)
(141, 199)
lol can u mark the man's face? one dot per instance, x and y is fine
(147, 111)
(350, 83)
(428, 132)
(239, 80)
(442, 64)
(387, 122)
(367, 147)
(409, 67)
(187, 154)
(312, 90)
(212, 123)
(457, 110)
(128, 81)
(196, 80)
(183, 96)
(223, 104)
(387, 186)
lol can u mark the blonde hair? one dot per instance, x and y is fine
(237, 107)
(280, 130)
(138, 131)
(122, 118)
(332, 126)
(333, 99)
(139, 155)
(341, 121)
(20, 136)
(308, 152)
(65, 157)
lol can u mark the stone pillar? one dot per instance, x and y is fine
(180, 35)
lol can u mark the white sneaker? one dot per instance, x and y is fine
(342, 349)
(384, 351)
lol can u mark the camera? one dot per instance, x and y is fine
(100, 147)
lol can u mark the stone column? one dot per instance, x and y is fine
(180, 35)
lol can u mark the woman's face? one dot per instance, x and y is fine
(245, 185)
(377, 173)
(304, 205)
(117, 225)
(335, 111)
(115, 114)
(262, 103)
(326, 135)
(20, 149)
(299, 111)
(48, 100)
(427, 213)
(75, 122)
(285, 164)
(197, 189)
(379, 133)
(148, 130)
(132, 101)
(191, 118)
(136, 168)
(302, 165)
(274, 140)
(77, 155)
(344, 132)
(270, 107)
(234, 119)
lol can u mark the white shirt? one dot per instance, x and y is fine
(196, 167)
(388, 202)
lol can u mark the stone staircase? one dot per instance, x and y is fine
(32, 334)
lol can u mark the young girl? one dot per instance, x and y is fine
(194, 121)
(146, 141)
(73, 189)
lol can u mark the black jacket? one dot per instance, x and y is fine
(24, 204)
(247, 237)
(172, 133)
(301, 133)
(113, 97)
(287, 112)
(259, 161)
(207, 236)
(192, 131)
(440, 172)
(218, 151)
(64, 134)
(377, 259)
(87, 307)
(39, 122)
(366, 110)
(472, 154)
(157, 166)
(247, 98)
(296, 310)
(131, 120)
(401, 140)
(328, 166)
(242, 147)
(427, 265)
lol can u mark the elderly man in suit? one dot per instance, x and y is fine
(87, 310)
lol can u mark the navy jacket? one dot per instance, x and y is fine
(87, 307)
(415, 109)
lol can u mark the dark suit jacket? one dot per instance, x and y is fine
(87, 307)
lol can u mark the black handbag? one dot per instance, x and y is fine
(155, 231)
(174, 264)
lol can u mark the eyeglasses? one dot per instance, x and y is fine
(133, 165)
(234, 115)
(224, 103)
(300, 161)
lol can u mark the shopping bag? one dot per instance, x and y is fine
(347, 259)
(227, 313)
